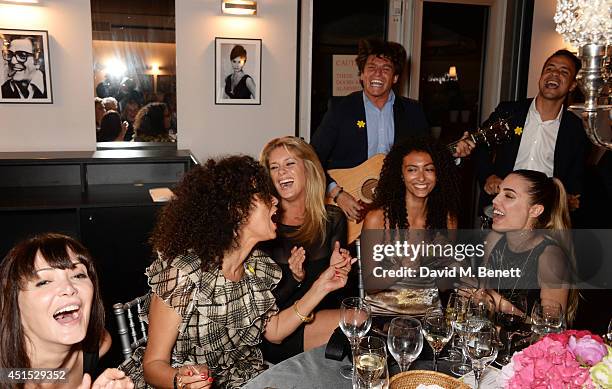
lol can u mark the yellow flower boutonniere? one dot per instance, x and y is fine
(360, 123)
(518, 131)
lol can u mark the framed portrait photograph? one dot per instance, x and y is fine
(25, 72)
(237, 71)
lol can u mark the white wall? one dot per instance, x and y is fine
(205, 128)
(208, 129)
(544, 41)
(68, 123)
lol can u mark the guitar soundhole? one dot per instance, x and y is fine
(368, 188)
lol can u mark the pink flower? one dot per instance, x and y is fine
(587, 350)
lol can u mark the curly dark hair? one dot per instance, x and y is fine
(390, 193)
(392, 51)
(211, 204)
(150, 120)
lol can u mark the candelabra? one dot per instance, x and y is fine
(587, 24)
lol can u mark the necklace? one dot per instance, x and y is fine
(501, 263)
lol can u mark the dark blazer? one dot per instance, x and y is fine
(340, 143)
(9, 91)
(570, 147)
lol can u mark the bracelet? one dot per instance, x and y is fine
(338, 195)
(305, 319)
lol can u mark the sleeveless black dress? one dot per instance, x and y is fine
(241, 91)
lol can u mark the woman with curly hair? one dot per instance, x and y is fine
(418, 190)
(152, 124)
(308, 240)
(211, 299)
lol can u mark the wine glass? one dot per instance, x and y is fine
(437, 330)
(370, 362)
(355, 322)
(405, 340)
(608, 335)
(481, 346)
(456, 308)
(483, 304)
(511, 313)
(546, 317)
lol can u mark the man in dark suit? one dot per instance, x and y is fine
(548, 137)
(26, 80)
(369, 122)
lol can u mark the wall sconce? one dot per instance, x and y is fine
(452, 73)
(239, 7)
(588, 26)
(20, 1)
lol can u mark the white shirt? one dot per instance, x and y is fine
(538, 140)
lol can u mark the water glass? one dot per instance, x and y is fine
(481, 346)
(355, 322)
(546, 317)
(371, 363)
(405, 340)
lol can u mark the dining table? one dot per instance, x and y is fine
(311, 370)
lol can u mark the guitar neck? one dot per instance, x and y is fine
(452, 146)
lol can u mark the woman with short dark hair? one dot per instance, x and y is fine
(52, 313)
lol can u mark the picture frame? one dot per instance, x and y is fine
(25, 57)
(237, 80)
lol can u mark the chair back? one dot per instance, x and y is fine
(360, 283)
(131, 326)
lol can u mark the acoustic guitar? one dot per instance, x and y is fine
(361, 181)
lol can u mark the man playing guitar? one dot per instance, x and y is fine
(369, 122)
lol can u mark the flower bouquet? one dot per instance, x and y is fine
(571, 359)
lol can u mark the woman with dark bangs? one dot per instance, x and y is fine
(418, 190)
(211, 294)
(52, 313)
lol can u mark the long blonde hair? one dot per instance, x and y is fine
(313, 229)
(550, 193)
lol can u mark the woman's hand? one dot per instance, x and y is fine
(334, 277)
(193, 376)
(296, 263)
(339, 255)
(110, 378)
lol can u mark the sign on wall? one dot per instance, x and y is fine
(345, 75)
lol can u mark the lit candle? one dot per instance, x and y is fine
(452, 72)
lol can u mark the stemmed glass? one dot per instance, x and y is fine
(483, 304)
(355, 322)
(456, 308)
(481, 346)
(511, 313)
(405, 340)
(370, 362)
(437, 330)
(546, 317)
(608, 335)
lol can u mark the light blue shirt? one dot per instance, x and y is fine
(381, 128)
(380, 125)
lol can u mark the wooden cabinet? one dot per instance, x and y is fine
(101, 198)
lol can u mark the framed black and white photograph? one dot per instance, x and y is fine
(237, 71)
(25, 73)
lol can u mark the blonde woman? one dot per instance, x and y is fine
(309, 239)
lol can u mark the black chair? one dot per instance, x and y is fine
(133, 330)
